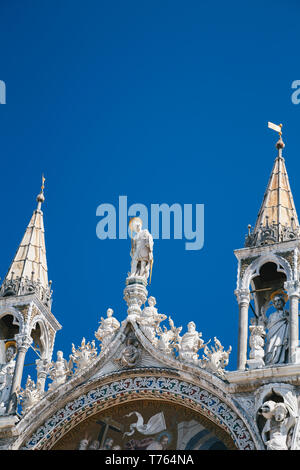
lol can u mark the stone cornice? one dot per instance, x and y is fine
(274, 247)
(26, 300)
(249, 380)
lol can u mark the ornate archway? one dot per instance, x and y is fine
(209, 410)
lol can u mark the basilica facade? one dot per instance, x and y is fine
(146, 383)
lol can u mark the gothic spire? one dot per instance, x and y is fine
(28, 272)
(277, 219)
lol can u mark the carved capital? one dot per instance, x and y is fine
(292, 288)
(23, 342)
(243, 296)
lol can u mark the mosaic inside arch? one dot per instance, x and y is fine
(146, 425)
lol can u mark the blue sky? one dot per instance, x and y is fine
(161, 101)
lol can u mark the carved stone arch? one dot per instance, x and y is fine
(18, 319)
(253, 269)
(41, 336)
(221, 413)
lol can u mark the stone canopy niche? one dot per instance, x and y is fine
(271, 278)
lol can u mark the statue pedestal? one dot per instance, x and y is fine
(135, 295)
(256, 363)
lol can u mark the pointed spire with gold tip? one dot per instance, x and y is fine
(277, 219)
(28, 272)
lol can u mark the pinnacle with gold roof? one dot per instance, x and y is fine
(277, 220)
(28, 272)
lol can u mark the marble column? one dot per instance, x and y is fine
(293, 292)
(23, 343)
(243, 298)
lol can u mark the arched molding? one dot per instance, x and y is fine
(18, 318)
(222, 412)
(44, 337)
(254, 268)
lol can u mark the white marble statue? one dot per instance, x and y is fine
(59, 371)
(107, 328)
(277, 337)
(30, 395)
(215, 359)
(84, 354)
(141, 250)
(6, 376)
(150, 320)
(189, 344)
(168, 338)
(256, 343)
(275, 431)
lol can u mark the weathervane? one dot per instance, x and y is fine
(276, 128)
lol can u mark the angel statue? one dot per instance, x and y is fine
(107, 328)
(59, 371)
(141, 250)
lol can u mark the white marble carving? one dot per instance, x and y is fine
(30, 395)
(215, 358)
(141, 250)
(189, 344)
(277, 336)
(130, 353)
(84, 354)
(168, 338)
(59, 371)
(256, 343)
(107, 328)
(275, 431)
(150, 320)
(6, 377)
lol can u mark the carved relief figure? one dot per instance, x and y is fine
(130, 353)
(141, 250)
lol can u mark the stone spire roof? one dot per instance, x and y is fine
(277, 219)
(28, 272)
